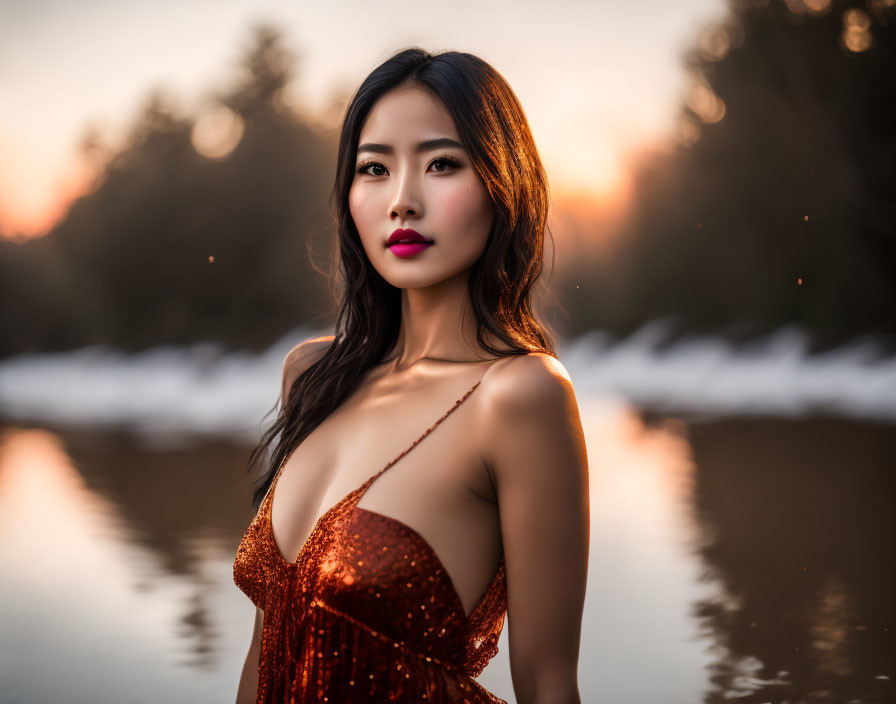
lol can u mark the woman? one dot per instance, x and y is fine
(376, 586)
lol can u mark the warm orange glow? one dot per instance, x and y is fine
(802, 7)
(856, 35)
(640, 476)
(856, 20)
(856, 41)
(705, 103)
(25, 213)
(588, 220)
(818, 6)
(594, 170)
(45, 503)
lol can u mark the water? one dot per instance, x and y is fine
(741, 539)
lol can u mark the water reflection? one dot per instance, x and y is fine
(642, 575)
(105, 552)
(797, 525)
(740, 559)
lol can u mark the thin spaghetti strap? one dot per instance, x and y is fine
(363, 487)
(356, 494)
(434, 425)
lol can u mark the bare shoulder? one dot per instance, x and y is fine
(535, 382)
(302, 356)
(307, 352)
(528, 401)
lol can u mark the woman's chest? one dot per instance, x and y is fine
(433, 481)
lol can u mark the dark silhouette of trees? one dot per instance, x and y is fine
(776, 205)
(171, 246)
(779, 203)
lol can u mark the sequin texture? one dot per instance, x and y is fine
(366, 612)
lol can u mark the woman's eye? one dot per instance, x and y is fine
(372, 165)
(446, 164)
(440, 165)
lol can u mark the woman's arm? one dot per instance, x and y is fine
(248, 688)
(299, 358)
(534, 446)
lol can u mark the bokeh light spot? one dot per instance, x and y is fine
(856, 35)
(856, 19)
(705, 103)
(217, 132)
(817, 6)
(715, 43)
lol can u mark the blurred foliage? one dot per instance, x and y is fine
(778, 203)
(129, 265)
(775, 205)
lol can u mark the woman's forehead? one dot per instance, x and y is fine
(404, 117)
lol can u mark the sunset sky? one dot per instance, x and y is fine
(596, 79)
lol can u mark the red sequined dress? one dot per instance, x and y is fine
(367, 612)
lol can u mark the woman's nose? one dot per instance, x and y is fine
(406, 200)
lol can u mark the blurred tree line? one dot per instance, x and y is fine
(129, 265)
(776, 205)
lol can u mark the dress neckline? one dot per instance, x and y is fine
(353, 497)
(359, 491)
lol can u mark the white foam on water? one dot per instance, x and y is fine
(200, 390)
(775, 375)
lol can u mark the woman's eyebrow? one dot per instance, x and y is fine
(424, 146)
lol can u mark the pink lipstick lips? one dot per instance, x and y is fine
(407, 243)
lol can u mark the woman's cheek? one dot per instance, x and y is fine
(456, 205)
(475, 218)
(359, 207)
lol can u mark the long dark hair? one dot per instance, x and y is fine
(496, 135)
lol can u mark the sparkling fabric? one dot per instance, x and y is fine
(366, 612)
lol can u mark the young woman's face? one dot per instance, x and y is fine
(412, 173)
